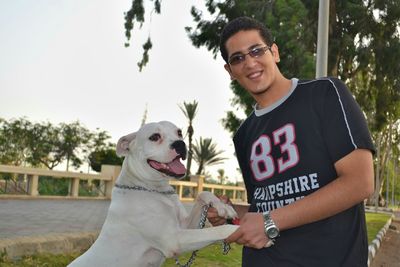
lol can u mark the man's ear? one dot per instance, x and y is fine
(275, 53)
(123, 144)
(228, 69)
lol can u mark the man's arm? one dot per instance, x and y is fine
(355, 182)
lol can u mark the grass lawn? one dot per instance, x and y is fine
(375, 222)
(210, 256)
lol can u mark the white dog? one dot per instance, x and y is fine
(146, 222)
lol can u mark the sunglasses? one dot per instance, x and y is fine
(255, 52)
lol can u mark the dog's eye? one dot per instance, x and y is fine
(180, 133)
(155, 137)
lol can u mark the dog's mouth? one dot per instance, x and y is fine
(174, 168)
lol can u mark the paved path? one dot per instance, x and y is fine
(44, 216)
(37, 217)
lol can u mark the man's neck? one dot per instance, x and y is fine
(277, 90)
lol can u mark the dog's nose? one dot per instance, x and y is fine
(180, 148)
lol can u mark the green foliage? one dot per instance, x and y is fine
(205, 153)
(46, 145)
(102, 157)
(390, 183)
(53, 187)
(136, 14)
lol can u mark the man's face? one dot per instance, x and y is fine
(255, 74)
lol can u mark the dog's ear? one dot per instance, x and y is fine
(123, 144)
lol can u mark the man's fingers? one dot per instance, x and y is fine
(214, 218)
(235, 236)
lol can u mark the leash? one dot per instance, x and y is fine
(225, 246)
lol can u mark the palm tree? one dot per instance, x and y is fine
(205, 153)
(221, 175)
(189, 110)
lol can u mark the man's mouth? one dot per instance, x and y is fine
(254, 75)
(174, 168)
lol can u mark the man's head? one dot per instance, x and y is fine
(243, 24)
(251, 59)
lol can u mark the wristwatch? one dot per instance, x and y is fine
(270, 228)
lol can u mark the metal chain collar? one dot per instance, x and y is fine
(141, 188)
(225, 246)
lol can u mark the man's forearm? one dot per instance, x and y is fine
(353, 185)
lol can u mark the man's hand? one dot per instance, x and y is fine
(251, 231)
(212, 214)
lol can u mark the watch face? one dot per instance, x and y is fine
(273, 232)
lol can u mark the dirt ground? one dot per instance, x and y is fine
(389, 252)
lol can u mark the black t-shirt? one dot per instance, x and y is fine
(286, 152)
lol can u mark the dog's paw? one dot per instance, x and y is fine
(224, 210)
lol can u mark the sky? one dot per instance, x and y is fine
(65, 60)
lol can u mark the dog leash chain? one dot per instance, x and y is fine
(203, 217)
(225, 246)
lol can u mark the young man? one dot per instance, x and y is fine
(306, 158)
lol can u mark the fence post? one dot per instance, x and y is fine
(113, 172)
(199, 179)
(200, 183)
(75, 187)
(33, 185)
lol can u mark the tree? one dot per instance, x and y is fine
(43, 145)
(14, 136)
(136, 15)
(190, 111)
(205, 153)
(104, 156)
(221, 175)
(72, 141)
(101, 151)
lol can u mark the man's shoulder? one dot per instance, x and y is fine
(320, 82)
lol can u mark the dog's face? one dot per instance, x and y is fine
(155, 151)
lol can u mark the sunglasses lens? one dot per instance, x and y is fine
(236, 59)
(257, 52)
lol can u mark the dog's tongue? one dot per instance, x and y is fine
(177, 167)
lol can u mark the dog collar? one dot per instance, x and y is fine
(141, 188)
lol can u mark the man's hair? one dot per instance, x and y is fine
(242, 24)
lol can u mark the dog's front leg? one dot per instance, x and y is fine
(194, 239)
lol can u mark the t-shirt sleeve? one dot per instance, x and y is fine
(344, 125)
